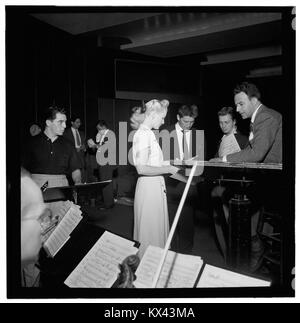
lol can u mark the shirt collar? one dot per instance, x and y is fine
(48, 138)
(178, 127)
(255, 113)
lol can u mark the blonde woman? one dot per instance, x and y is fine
(151, 221)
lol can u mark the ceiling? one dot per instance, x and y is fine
(220, 36)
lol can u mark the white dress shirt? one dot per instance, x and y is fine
(77, 144)
(180, 137)
(251, 135)
(100, 136)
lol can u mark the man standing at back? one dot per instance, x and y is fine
(77, 139)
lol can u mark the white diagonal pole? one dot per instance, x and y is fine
(179, 209)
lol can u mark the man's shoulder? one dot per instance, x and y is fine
(64, 141)
(67, 131)
(267, 112)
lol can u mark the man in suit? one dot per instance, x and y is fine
(106, 170)
(183, 146)
(77, 138)
(265, 144)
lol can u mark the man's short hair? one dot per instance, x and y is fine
(248, 88)
(74, 118)
(52, 112)
(227, 110)
(186, 111)
(101, 123)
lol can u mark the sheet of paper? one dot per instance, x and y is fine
(91, 143)
(229, 145)
(63, 230)
(100, 267)
(180, 177)
(179, 270)
(217, 277)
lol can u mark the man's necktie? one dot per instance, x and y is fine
(251, 134)
(251, 126)
(185, 148)
(78, 141)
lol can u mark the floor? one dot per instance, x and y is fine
(119, 220)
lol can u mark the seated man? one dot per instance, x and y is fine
(231, 141)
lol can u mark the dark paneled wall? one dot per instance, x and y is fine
(60, 69)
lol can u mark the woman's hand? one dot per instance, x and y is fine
(173, 170)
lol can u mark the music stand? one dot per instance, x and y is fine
(72, 192)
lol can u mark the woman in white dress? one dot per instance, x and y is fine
(151, 220)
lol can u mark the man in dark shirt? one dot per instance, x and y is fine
(49, 156)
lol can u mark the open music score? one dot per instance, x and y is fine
(100, 267)
(179, 270)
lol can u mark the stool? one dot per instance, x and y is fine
(270, 232)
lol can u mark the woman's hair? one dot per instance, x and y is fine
(139, 113)
(156, 106)
(227, 110)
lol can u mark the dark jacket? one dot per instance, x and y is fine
(266, 145)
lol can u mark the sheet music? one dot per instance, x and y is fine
(229, 145)
(179, 270)
(100, 267)
(217, 277)
(62, 232)
(179, 177)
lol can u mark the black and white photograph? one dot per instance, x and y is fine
(150, 152)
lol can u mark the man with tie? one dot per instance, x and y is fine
(77, 139)
(265, 143)
(107, 171)
(182, 147)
